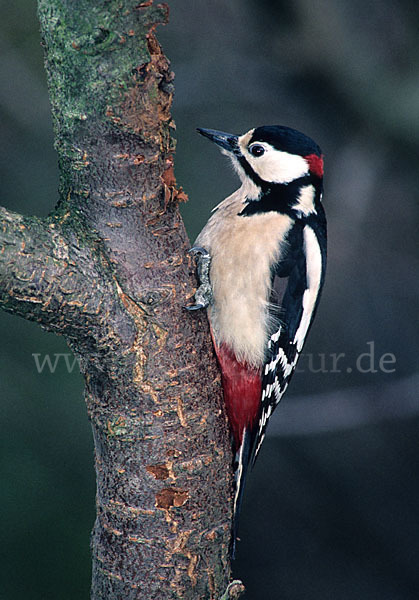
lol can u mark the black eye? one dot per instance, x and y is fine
(256, 150)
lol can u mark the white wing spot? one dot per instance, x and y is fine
(313, 272)
(275, 336)
(305, 200)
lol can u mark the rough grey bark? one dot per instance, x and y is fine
(109, 270)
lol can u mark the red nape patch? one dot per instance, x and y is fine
(315, 164)
(242, 385)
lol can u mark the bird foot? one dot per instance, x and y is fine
(203, 295)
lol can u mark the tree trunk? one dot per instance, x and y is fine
(109, 270)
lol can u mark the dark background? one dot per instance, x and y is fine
(331, 509)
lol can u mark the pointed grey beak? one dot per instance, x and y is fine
(227, 141)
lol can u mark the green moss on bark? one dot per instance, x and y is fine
(79, 39)
(93, 51)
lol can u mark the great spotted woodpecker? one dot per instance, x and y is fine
(261, 265)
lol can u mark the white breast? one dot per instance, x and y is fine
(242, 250)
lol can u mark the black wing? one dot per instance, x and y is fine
(297, 280)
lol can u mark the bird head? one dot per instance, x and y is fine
(271, 154)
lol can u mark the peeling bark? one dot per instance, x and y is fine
(108, 269)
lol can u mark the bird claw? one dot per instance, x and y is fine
(199, 250)
(203, 295)
(196, 306)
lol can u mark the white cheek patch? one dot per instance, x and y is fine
(276, 166)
